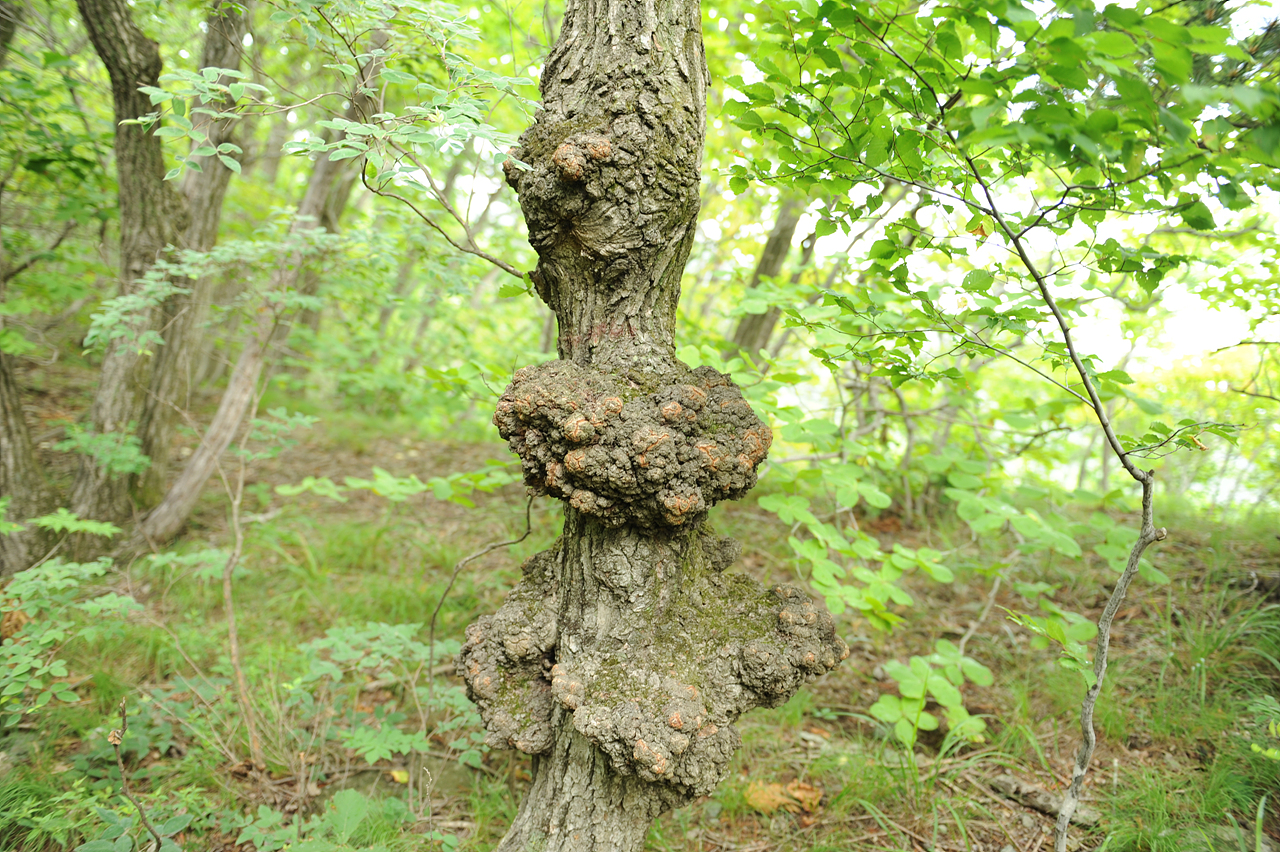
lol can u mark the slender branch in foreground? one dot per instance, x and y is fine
(235, 497)
(1084, 756)
(1146, 536)
(478, 252)
(116, 738)
(1256, 394)
(457, 569)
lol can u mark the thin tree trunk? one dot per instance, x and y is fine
(10, 17)
(152, 217)
(167, 518)
(184, 315)
(20, 481)
(273, 150)
(624, 655)
(754, 330)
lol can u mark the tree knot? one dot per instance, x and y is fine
(573, 156)
(654, 457)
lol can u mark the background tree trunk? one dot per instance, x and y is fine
(167, 518)
(10, 17)
(625, 654)
(152, 216)
(20, 480)
(184, 316)
(754, 330)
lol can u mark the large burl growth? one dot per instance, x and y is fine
(626, 653)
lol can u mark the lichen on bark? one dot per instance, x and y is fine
(626, 653)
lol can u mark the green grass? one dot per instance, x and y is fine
(1173, 722)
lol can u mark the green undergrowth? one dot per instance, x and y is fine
(367, 741)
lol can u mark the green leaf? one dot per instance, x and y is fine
(978, 281)
(966, 481)
(393, 76)
(175, 824)
(946, 694)
(230, 163)
(65, 521)
(349, 810)
(1198, 216)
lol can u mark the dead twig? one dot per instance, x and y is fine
(116, 737)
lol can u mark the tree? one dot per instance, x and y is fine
(754, 330)
(625, 654)
(272, 322)
(152, 217)
(49, 187)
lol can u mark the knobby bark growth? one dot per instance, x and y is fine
(625, 654)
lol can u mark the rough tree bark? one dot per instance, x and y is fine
(20, 479)
(152, 216)
(754, 330)
(625, 654)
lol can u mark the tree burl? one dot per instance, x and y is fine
(626, 653)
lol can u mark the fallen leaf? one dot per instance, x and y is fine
(11, 622)
(400, 776)
(767, 798)
(794, 797)
(807, 795)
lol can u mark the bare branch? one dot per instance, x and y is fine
(472, 249)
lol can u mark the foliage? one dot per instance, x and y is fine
(43, 604)
(938, 677)
(954, 163)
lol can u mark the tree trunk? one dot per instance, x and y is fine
(272, 322)
(10, 17)
(20, 480)
(625, 654)
(152, 216)
(184, 315)
(754, 330)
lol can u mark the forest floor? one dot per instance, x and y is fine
(1175, 767)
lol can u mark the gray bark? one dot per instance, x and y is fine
(152, 217)
(20, 478)
(625, 654)
(10, 17)
(271, 323)
(754, 330)
(184, 316)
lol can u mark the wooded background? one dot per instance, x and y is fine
(1000, 277)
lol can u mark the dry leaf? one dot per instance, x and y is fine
(767, 798)
(400, 776)
(11, 622)
(114, 738)
(794, 797)
(807, 795)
